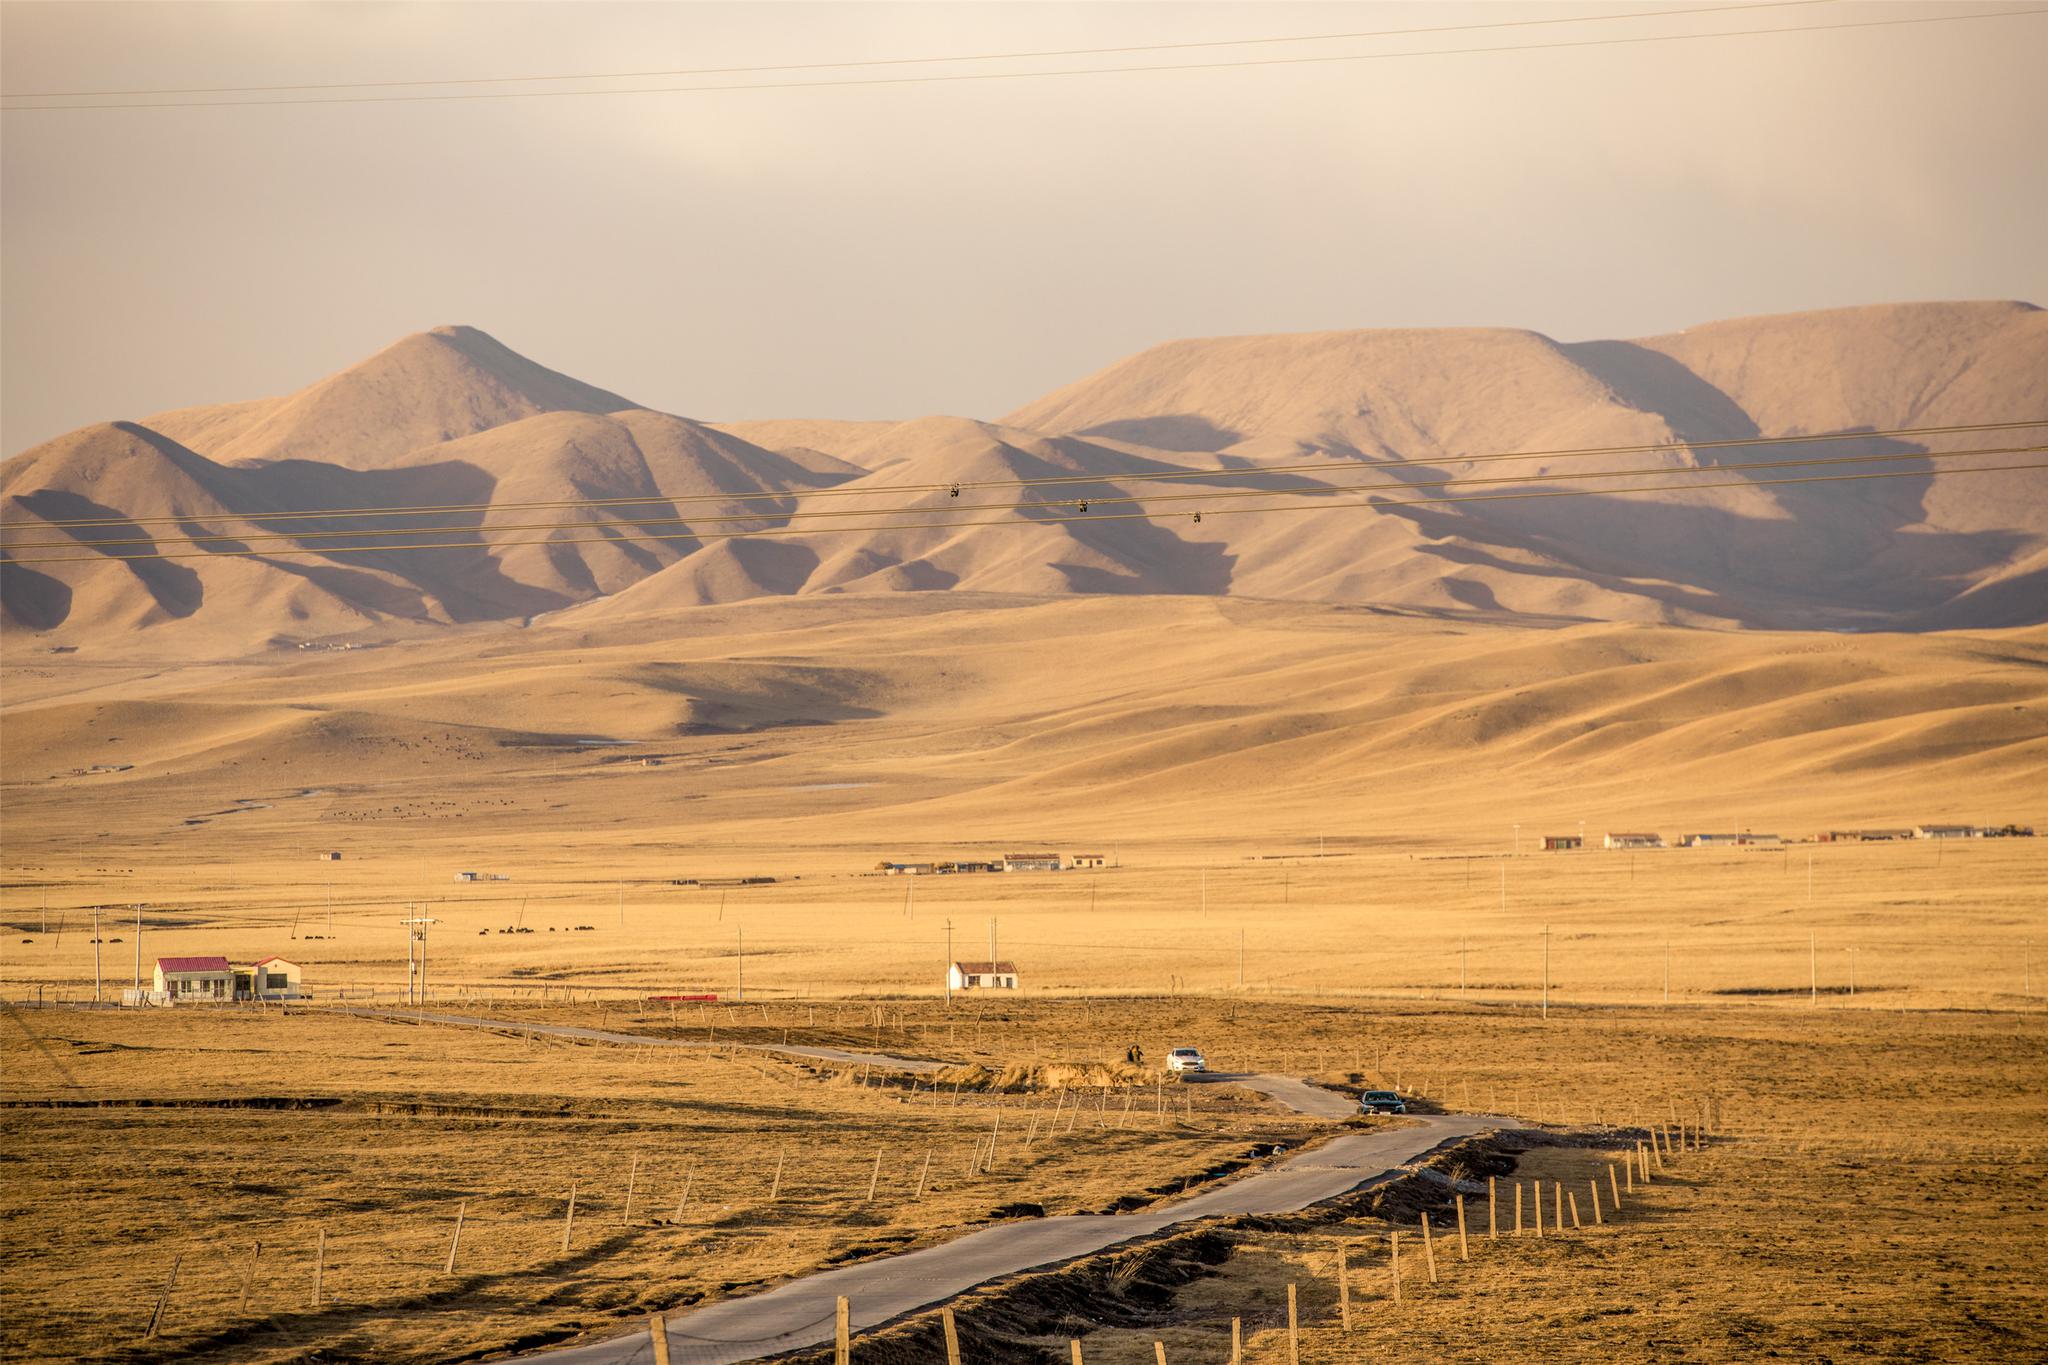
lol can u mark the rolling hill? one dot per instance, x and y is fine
(518, 457)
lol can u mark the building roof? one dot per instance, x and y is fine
(1020, 857)
(265, 962)
(986, 968)
(193, 964)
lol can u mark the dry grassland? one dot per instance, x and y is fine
(1876, 1192)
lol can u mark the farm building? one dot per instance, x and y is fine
(1633, 841)
(194, 978)
(1864, 836)
(905, 869)
(331, 856)
(1032, 862)
(986, 976)
(468, 877)
(1554, 842)
(274, 978)
(1945, 832)
(1090, 860)
(967, 867)
(1744, 840)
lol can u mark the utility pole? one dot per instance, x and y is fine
(138, 947)
(416, 966)
(949, 964)
(1813, 968)
(1546, 971)
(96, 955)
(740, 989)
(1240, 959)
(330, 909)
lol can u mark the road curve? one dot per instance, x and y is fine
(880, 1061)
(802, 1312)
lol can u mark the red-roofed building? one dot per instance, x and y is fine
(194, 978)
(274, 978)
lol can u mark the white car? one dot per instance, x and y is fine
(1185, 1059)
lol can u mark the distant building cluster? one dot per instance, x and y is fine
(182, 980)
(1009, 862)
(1747, 839)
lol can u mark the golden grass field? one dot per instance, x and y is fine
(1313, 814)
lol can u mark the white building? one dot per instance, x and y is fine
(274, 978)
(194, 978)
(1634, 841)
(983, 976)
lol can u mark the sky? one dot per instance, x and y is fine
(963, 246)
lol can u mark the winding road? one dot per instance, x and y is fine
(801, 1313)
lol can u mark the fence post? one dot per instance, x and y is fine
(569, 1220)
(1492, 1207)
(1293, 1331)
(1463, 1253)
(319, 1264)
(1614, 1187)
(1343, 1286)
(1518, 1208)
(1236, 1343)
(163, 1300)
(842, 1334)
(456, 1241)
(1394, 1242)
(1594, 1184)
(249, 1275)
(1428, 1249)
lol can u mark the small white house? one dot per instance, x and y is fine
(194, 978)
(1032, 862)
(1634, 841)
(1088, 861)
(983, 976)
(1945, 832)
(274, 978)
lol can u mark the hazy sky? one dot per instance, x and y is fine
(964, 246)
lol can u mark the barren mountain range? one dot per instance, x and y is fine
(527, 471)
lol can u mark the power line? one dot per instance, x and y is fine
(1037, 75)
(1064, 480)
(1048, 504)
(914, 61)
(1062, 521)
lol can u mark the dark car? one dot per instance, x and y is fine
(1381, 1102)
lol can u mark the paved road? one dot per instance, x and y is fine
(878, 1060)
(801, 1313)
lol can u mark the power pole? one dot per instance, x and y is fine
(1813, 968)
(138, 947)
(96, 955)
(949, 964)
(330, 909)
(991, 942)
(1240, 959)
(1546, 971)
(416, 964)
(740, 989)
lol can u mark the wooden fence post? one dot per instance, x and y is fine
(1159, 1352)
(923, 1174)
(569, 1221)
(952, 1334)
(1464, 1254)
(1074, 1346)
(842, 1334)
(875, 1176)
(1428, 1249)
(1394, 1261)
(657, 1333)
(1614, 1187)
(163, 1300)
(1293, 1331)
(1236, 1342)
(775, 1185)
(249, 1275)
(1343, 1286)
(683, 1200)
(632, 1179)
(1574, 1198)
(1518, 1208)
(1557, 1206)
(319, 1264)
(456, 1241)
